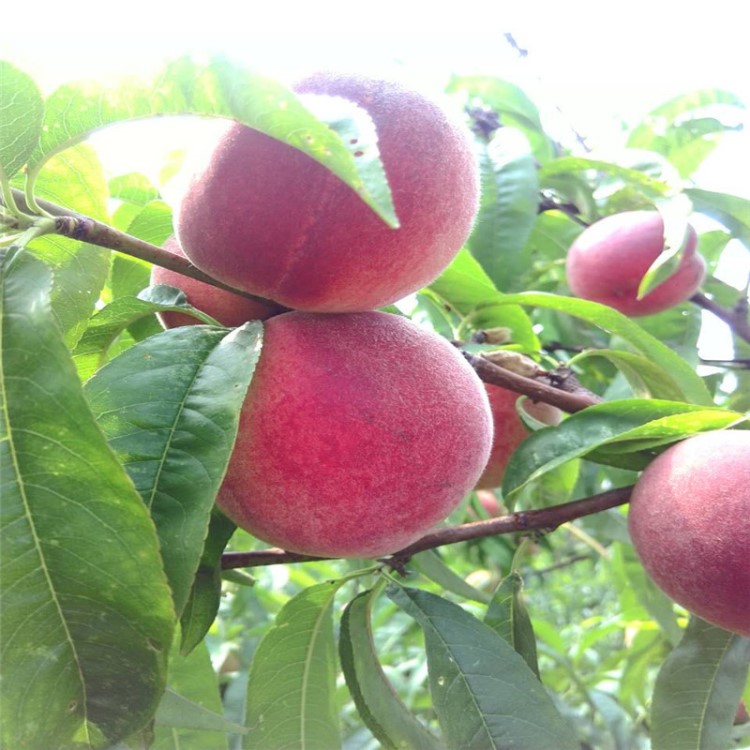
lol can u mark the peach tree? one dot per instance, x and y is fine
(135, 614)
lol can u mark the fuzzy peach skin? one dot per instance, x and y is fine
(360, 432)
(229, 309)
(690, 524)
(608, 260)
(264, 217)
(509, 430)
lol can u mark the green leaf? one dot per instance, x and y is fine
(112, 320)
(484, 694)
(430, 564)
(624, 426)
(645, 378)
(291, 699)
(465, 286)
(610, 320)
(504, 97)
(205, 596)
(698, 689)
(153, 223)
(573, 188)
(508, 617)
(87, 617)
(169, 407)
(180, 713)
(220, 88)
(730, 210)
(512, 105)
(21, 114)
(675, 212)
(378, 704)
(79, 270)
(189, 716)
(133, 188)
(678, 129)
(510, 198)
(648, 185)
(130, 276)
(552, 488)
(636, 588)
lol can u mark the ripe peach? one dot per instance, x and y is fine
(359, 433)
(608, 260)
(690, 525)
(229, 309)
(264, 217)
(509, 430)
(488, 500)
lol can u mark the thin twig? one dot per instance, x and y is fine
(542, 520)
(736, 318)
(85, 229)
(570, 402)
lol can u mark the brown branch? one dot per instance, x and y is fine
(85, 229)
(736, 318)
(571, 402)
(542, 520)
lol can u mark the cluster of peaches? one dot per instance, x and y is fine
(362, 431)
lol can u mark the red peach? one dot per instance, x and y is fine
(488, 500)
(229, 309)
(266, 218)
(608, 260)
(360, 432)
(509, 430)
(690, 525)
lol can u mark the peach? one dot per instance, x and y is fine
(509, 430)
(360, 432)
(229, 309)
(690, 524)
(608, 260)
(266, 218)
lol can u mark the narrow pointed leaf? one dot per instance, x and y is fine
(178, 712)
(169, 407)
(205, 595)
(431, 565)
(465, 286)
(647, 184)
(621, 427)
(484, 693)
(610, 320)
(190, 715)
(510, 198)
(21, 114)
(508, 617)
(75, 179)
(133, 188)
(698, 689)
(512, 105)
(644, 376)
(106, 326)
(682, 130)
(222, 89)
(291, 698)
(675, 212)
(378, 704)
(732, 211)
(86, 614)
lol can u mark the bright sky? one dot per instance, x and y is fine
(595, 60)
